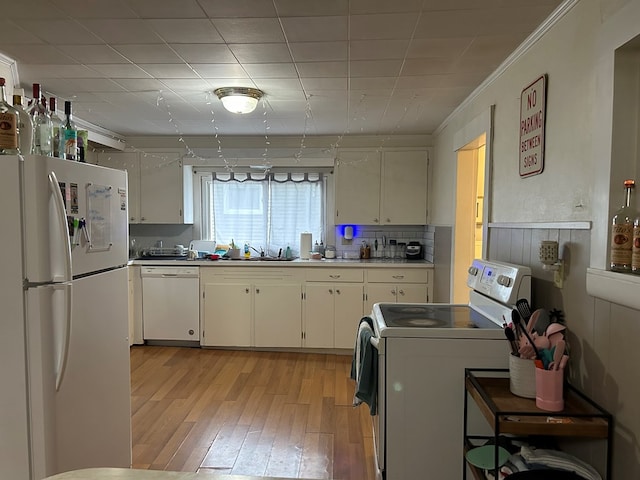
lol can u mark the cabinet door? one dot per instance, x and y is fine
(161, 189)
(378, 293)
(226, 317)
(348, 312)
(412, 293)
(358, 188)
(404, 188)
(319, 315)
(128, 162)
(278, 315)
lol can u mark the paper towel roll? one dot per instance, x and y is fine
(305, 245)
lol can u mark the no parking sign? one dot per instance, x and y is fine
(533, 103)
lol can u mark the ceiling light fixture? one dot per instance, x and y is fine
(239, 99)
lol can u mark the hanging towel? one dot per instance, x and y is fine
(364, 367)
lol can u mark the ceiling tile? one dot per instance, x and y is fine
(95, 8)
(271, 70)
(36, 54)
(93, 53)
(223, 70)
(296, 8)
(383, 6)
(316, 84)
(249, 30)
(32, 9)
(377, 49)
(316, 29)
(427, 66)
(97, 85)
(201, 53)
(179, 85)
(323, 69)
(149, 53)
(65, 32)
(261, 53)
(387, 27)
(238, 8)
(185, 30)
(122, 31)
(374, 83)
(319, 51)
(438, 47)
(120, 70)
(373, 68)
(12, 33)
(139, 84)
(163, 9)
(168, 71)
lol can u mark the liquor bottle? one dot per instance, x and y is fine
(25, 126)
(622, 231)
(42, 126)
(56, 123)
(70, 134)
(635, 247)
(9, 143)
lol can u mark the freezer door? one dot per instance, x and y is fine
(93, 404)
(88, 195)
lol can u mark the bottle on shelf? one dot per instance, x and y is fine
(9, 141)
(70, 134)
(56, 123)
(622, 231)
(635, 246)
(25, 126)
(42, 126)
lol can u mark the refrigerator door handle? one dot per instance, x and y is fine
(62, 223)
(66, 333)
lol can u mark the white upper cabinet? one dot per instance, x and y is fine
(159, 186)
(382, 188)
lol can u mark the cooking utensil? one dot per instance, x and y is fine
(532, 321)
(524, 309)
(542, 322)
(515, 316)
(558, 353)
(511, 336)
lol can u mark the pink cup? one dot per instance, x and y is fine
(549, 389)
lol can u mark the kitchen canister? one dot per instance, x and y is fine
(305, 245)
(522, 376)
(550, 389)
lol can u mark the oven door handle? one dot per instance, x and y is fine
(377, 344)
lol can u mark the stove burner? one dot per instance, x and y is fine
(421, 322)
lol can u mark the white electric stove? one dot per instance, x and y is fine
(423, 351)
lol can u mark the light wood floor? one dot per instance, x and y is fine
(248, 413)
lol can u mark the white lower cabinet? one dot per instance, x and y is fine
(398, 285)
(244, 307)
(333, 307)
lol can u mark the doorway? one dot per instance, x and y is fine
(469, 214)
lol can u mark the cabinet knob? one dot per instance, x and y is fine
(191, 332)
(331, 291)
(375, 220)
(246, 290)
(257, 290)
(401, 293)
(393, 292)
(399, 277)
(338, 291)
(334, 276)
(388, 220)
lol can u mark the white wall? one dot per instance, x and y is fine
(576, 185)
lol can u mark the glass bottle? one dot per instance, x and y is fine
(70, 134)
(56, 123)
(635, 247)
(25, 126)
(622, 231)
(9, 143)
(42, 126)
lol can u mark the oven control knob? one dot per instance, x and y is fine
(473, 270)
(504, 280)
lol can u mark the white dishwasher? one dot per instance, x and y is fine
(170, 304)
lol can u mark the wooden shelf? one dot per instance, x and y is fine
(510, 414)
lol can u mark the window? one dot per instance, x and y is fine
(266, 210)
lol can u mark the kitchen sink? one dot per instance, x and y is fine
(268, 259)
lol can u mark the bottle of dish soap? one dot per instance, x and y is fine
(247, 253)
(288, 252)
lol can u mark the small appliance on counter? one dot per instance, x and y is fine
(414, 251)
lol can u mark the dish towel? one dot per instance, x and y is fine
(364, 367)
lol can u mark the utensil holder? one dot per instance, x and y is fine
(550, 389)
(522, 376)
(234, 253)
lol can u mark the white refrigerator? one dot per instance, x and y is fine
(64, 352)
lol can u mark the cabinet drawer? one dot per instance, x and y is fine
(335, 275)
(394, 275)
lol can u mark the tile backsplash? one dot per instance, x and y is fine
(368, 234)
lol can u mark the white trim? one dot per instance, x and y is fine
(619, 288)
(13, 66)
(543, 225)
(531, 40)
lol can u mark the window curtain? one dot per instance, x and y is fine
(266, 210)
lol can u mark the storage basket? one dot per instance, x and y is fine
(522, 377)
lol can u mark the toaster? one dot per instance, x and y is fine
(413, 251)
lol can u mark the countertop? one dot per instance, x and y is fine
(335, 262)
(132, 474)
